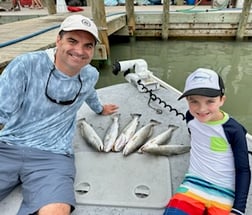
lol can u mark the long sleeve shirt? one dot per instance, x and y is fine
(219, 154)
(29, 117)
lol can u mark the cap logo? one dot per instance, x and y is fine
(204, 82)
(86, 22)
(201, 78)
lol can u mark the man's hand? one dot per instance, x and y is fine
(109, 109)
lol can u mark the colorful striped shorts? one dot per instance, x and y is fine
(199, 197)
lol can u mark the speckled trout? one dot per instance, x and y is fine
(127, 132)
(161, 138)
(111, 133)
(167, 150)
(139, 138)
(89, 135)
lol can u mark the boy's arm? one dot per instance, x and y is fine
(238, 141)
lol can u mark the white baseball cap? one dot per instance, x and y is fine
(204, 82)
(79, 22)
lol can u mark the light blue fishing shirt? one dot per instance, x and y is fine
(29, 117)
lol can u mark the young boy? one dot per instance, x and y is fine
(218, 179)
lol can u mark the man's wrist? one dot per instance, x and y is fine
(100, 113)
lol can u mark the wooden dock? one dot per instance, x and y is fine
(184, 22)
(41, 33)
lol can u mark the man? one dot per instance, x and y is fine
(40, 94)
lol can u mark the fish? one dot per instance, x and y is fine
(166, 150)
(161, 138)
(111, 133)
(127, 132)
(139, 137)
(89, 135)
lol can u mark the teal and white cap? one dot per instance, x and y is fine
(79, 22)
(203, 82)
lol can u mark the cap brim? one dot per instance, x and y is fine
(201, 92)
(81, 29)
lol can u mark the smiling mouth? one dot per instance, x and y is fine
(80, 57)
(203, 114)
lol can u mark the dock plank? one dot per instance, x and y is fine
(16, 30)
(49, 25)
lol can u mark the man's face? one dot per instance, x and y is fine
(75, 49)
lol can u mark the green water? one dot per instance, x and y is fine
(172, 61)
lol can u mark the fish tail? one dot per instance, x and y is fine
(135, 114)
(155, 121)
(82, 119)
(117, 115)
(173, 126)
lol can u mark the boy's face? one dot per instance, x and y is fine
(206, 109)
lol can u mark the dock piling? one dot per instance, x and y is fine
(165, 19)
(130, 16)
(51, 7)
(99, 17)
(243, 20)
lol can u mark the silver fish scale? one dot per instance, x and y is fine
(139, 137)
(127, 133)
(111, 133)
(90, 136)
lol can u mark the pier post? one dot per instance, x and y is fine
(243, 20)
(89, 2)
(165, 19)
(130, 16)
(51, 7)
(99, 17)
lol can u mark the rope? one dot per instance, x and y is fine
(191, 9)
(27, 36)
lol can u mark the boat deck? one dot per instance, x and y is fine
(107, 183)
